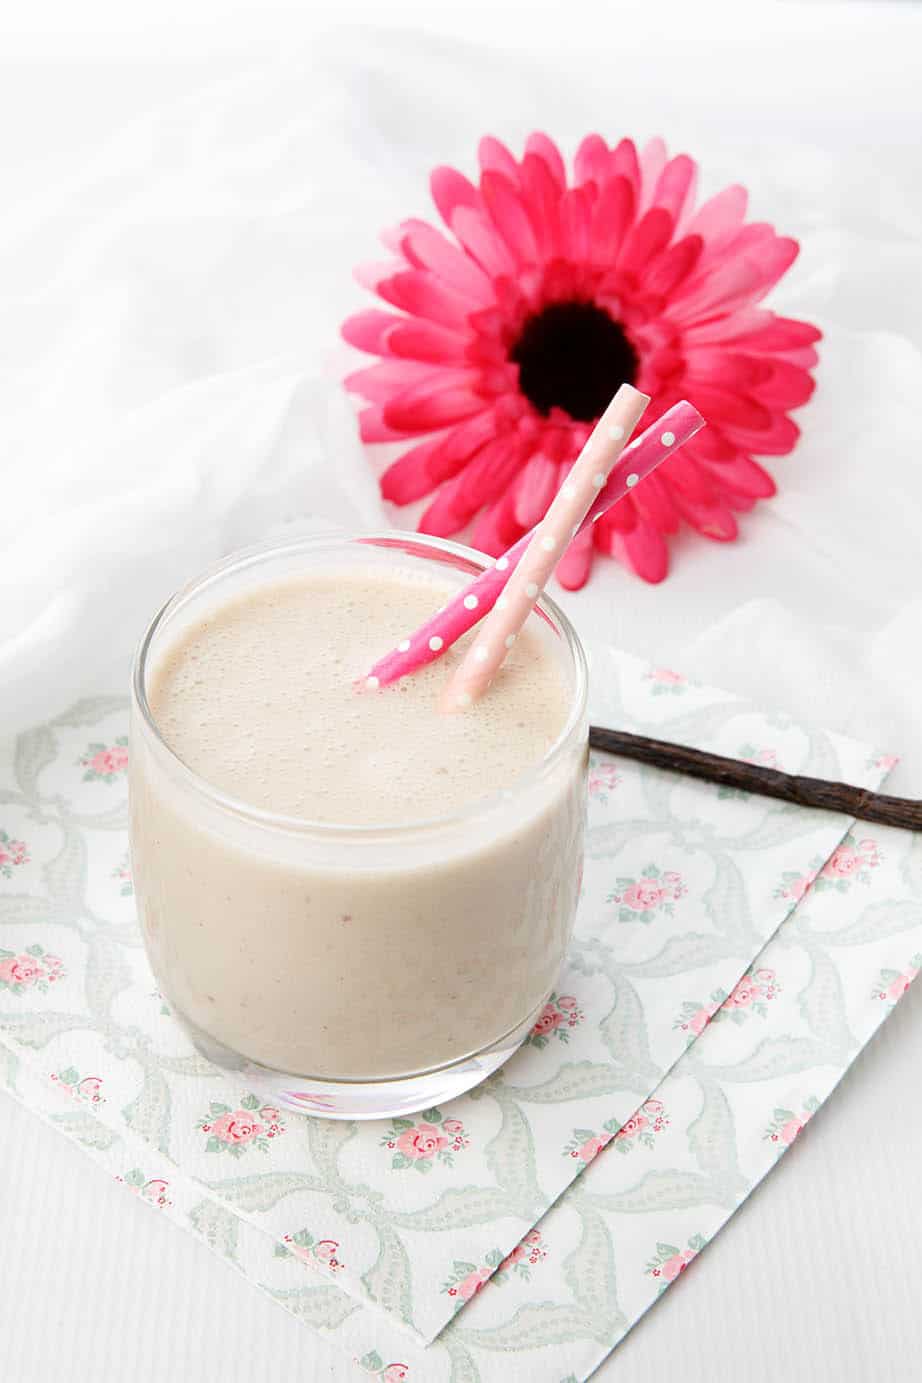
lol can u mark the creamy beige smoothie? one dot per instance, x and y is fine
(366, 888)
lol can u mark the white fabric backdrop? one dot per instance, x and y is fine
(174, 262)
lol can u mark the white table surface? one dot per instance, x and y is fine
(107, 365)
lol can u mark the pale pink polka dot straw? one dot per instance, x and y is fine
(548, 543)
(427, 643)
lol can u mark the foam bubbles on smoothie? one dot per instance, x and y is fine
(260, 700)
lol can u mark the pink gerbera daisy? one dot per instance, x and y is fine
(511, 337)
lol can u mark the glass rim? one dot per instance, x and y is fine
(280, 821)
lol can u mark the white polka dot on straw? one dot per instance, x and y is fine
(573, 501)
(435, 643)
(667, 439)
(470, 602)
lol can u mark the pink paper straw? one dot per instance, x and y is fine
(465, 609)
(548, 543)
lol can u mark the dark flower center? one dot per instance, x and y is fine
(573, 356)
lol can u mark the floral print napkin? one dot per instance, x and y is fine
(406, 1221)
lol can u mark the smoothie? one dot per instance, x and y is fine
(341, 883)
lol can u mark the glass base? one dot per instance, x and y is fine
(357, 1099)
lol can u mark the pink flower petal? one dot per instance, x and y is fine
(536, 486)
(621, 518)
(496, 528)
(451, 190)
(720, 214)
(716, 291)
(688, 480)
(648, 236)
(777, 439)
(545, 148)
(509, 216)
(653, 501)
(730, 409)
(806, 358)
(477, 234)
(367, 331)
(480, 481)
(493, 156)
(723, 327)
(575, 216)
(776, 261)
(786, 386)
(422, 295)
(430, 405)
(373, 428)
(624, 163)
(643, 551)
(744, 476)
(676, 186)
(672, 266)
(712, 445)
(427, 248)
(652, 162)
(712, 521)
(725, 370)
(378, 383)
(560, 281)
(542, 199)
(778, 334)
(408, 479)
(612, 214)
(576, 563)
(591, 161)
(416, 339)
(421, 469)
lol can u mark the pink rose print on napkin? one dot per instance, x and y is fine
(122, 872)
(105, 763)
(653, 894)
(603, 779)
(669, 1261)
(694, 1016)
(466, 1279)
(422, 1144)
(786, 1124)
(850, 863)
(236, 1130)
(586, 1144)
(640, 1130)
(794, 885)
(322, 1253)
(751, 994)
(557, 1018)
(665, 682)
(13, 854)
(391, 1373)
(88, 1088)
(31, 969)
(642, 1127)
(525, 1256)
(153, 1191)
(892, 984)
